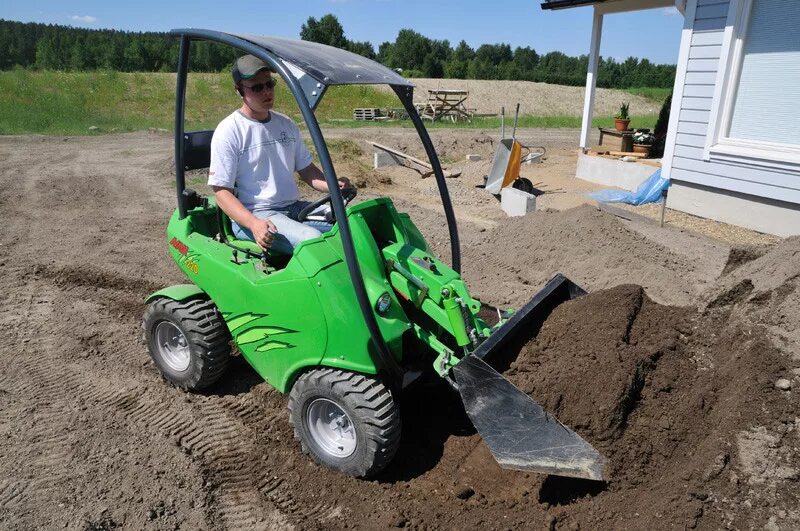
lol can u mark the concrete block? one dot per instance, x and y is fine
(472, 157)
(627, 175)
(384, 159)
(516, 202)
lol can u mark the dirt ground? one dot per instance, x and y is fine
(681, 365)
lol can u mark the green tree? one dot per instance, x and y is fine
(525, 61)
(362, 48)
(326, 30)
(458, 64)
(409, 50)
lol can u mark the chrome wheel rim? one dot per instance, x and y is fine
(172, 346)
(331, 428)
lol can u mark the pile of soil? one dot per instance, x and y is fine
(761, 285)
(506, 265)
(683, 405)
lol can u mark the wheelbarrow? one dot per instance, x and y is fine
(507, 160)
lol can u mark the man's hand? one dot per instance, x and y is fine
(262, 230)
(315, 179)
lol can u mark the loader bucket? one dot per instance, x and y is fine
(518, 432)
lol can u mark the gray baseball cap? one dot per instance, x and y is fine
(247, 66)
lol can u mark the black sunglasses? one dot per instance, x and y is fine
(258, 87)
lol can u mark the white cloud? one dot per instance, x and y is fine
(87, 19)
(671, 11)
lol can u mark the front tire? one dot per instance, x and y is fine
(188, 341)
(346, 421)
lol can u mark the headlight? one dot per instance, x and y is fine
(382, 306)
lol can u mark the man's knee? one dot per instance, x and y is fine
(306, 233)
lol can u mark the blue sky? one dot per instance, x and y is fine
(654, 34)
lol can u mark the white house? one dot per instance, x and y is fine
(733, 148)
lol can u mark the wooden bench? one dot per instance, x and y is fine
(446, 103)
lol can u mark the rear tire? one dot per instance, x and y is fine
(344, 420)
(188, 341)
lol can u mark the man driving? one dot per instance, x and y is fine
(256, 151)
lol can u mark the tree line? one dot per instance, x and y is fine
(54, 47)
(46, 46)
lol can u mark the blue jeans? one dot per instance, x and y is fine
(290, 231)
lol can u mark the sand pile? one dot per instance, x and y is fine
(762, 285)
(508, 264)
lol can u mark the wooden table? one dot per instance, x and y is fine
(446, 103)
(625, 136)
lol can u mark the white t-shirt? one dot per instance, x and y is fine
(259, 158)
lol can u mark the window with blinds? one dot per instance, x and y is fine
(767, 102)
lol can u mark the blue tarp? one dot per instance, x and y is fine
(648, 192)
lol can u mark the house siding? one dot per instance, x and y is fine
(688, 163)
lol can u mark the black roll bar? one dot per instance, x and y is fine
(180, 99)
(405, 95)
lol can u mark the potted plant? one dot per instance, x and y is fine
(623, 119)
(643, 141)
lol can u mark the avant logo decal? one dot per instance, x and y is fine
(185, 259)
(262, 337)
(179, 245)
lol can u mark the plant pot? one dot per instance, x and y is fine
(621, 125)
(642, 148)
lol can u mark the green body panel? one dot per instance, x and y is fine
(178, 292)
(304, 314)
(447, 300)
(291, 313)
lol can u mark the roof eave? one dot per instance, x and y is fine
(564, 4)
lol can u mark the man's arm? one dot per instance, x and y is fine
(262, 229)
(314, 177)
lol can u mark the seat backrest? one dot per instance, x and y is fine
(197, 155)
(197, 149)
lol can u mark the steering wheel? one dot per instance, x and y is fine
(348, 194)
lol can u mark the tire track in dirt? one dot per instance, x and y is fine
(48, 380)
(212, 436)
(209, 436)
(11, 492)
(215, 432)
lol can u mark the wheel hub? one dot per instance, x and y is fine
(331, 428)
(172, 346)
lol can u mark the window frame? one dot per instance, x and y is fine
(718, 145)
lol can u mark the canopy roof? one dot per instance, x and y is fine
(326, 64)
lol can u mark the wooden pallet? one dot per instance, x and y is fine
(366, 114)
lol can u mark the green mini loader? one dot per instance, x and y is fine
(350, 318)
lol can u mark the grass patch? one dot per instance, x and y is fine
(552, 122)
(80, 103)
(656, 95)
